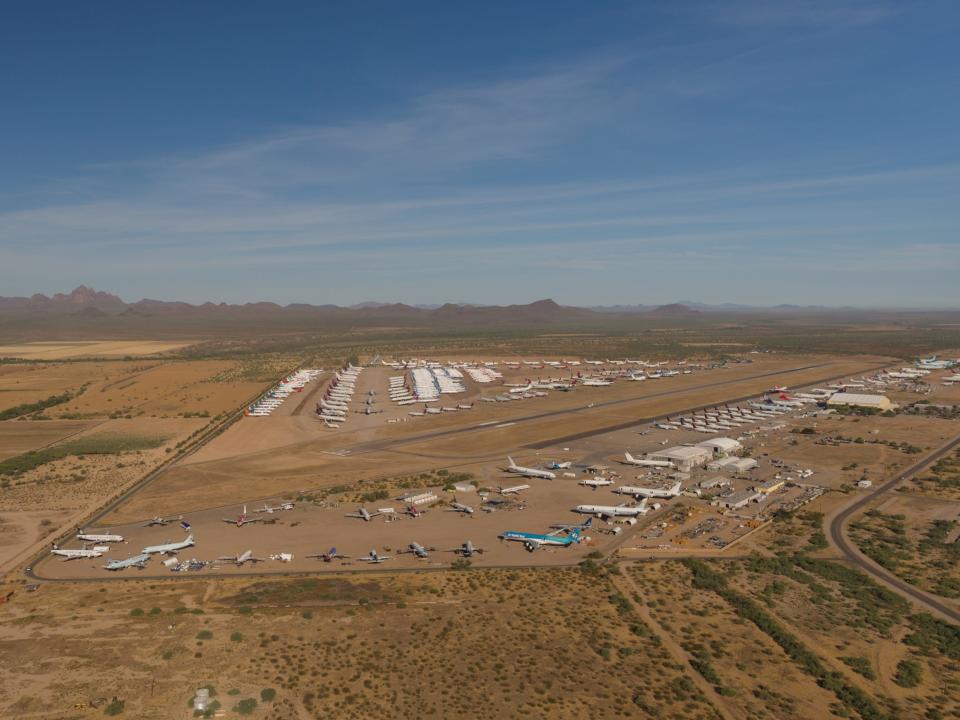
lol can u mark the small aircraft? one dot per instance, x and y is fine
(239, 560)
(157, 521)
(139, 561)
(242, 519)
(106, 537)
(467, 549)
(606, 512)
(268, 509)
(363, 514)
(329, 556)
(168, 548)
(79, 554)
(413, 511)
(374, 557)
(415, 548)
(514, 490)
(560, 465)
(529, 472)
(532, 541)
(459, 507)
(596, 482)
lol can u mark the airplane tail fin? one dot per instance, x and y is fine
(510, 460)
(628, 457)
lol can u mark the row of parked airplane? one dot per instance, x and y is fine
(725, 418)
(274, 397)
(333, 406)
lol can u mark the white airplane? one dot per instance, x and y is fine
(593, 382)
(106, 537)
(139, 561)
(642, 492)
(467, 549)
(611, 511)
(461, 508)
(629, 459)
(596, 482)
(375, 557)
(514, 490)
(415, 548)
(363, 514)
(268, 509)
(529, 472)
(239, 560)
(157, 521)
(78, 554)
(169, 548)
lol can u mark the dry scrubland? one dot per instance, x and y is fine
(796, 636)
(562, 643)
(88, 348)
(81, 432)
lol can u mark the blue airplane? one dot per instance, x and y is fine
(531, 541)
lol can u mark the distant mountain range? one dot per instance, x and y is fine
(85, 302)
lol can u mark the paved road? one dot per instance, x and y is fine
(839, 538)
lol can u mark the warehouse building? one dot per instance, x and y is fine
(877, 402)
(771, 485)
(722, 446)
(740, 499)
(734, 465)
(684, 457)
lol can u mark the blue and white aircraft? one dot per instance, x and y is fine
(139, 561)
(531, 541)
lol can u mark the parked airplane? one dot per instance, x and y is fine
(329, 556)
(461, 508)
(242, 519)
(611, 511)
(467, 549)
(169, 548)
(629, 459)
(514, 490)
(363, 514)
(157, 521)
(139, 561)
(242, 558)
(282, 506)
(413, 511)
(532, 541)
(529, 472)
(560, 465)
(415, 548)
(642, 492)
(375, 557)
(106, 537)
(596, 482)
(78, 554)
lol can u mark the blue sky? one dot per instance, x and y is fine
(595, 153)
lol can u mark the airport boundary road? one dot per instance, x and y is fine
(839, 538)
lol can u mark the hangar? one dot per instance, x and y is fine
(878, 402)
(684, 457)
